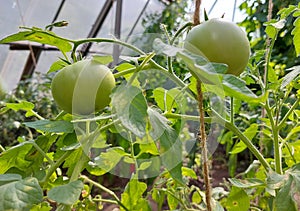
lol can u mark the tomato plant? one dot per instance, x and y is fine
(220, 41)
(83, 87)
(147, 134)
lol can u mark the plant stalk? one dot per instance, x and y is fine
(204, 154)
(105, 190)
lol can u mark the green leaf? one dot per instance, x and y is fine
(22, 105)
(215, 81)
(237, 200)
(288, 78)
(170, 144)
(132, 197)
(20, 195)
(273, 27)
(103, 59)
(250, 133)
(294, 147)
(201, 68)
(288, 197)
(272, 77)
(149, 147)
(7, 178)
(51, 126)
(15, 157)
(246, 183)
(296, 33)
(188, 172)
(39, 36)
(57, 65)
(124, 66)
(161, 48)
(109, 159)
(145, 165)
(271, 31)
(130, 107)
(66, 194)
(237, 88)
(172, 202)
(168, 99)
(284, 12)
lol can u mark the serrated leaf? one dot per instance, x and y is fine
(246, 183)
(39, 36)
(20, 195)
(130, 107)
(288, 78)
(170, 144)
(296, 38)
(66, 194)
(51, 126)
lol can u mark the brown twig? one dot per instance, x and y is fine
(202, 135)
(204, 155)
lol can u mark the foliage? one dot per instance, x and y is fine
(256, 15)
(143, 135)
(35, 90)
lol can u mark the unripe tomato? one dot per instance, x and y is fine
(83, 87)
(220, 41)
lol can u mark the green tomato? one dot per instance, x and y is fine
(83, 87)
(220, 41)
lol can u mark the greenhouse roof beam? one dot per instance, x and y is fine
(97, 25)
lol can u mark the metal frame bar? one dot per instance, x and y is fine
(35, 52)
(117, 31)
(97, 25)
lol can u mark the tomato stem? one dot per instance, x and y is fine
(242, 137)
(86, 179)
(53, 168)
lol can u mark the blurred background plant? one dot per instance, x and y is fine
(35, 90)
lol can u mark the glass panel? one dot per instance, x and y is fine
(13, 68)
(25, 12)
(81, 16)
(46, 59)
